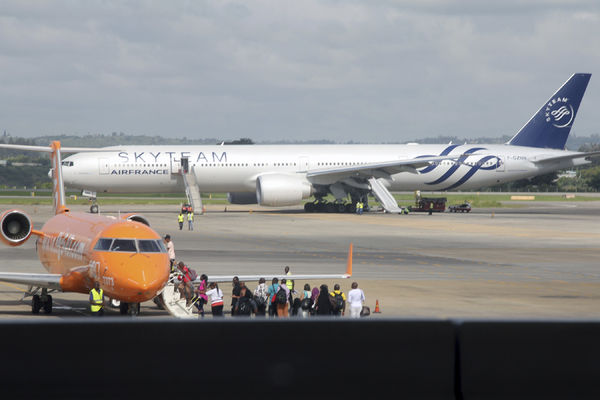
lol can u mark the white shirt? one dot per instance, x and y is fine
(171, 250)
(216, 296)
(356, 297)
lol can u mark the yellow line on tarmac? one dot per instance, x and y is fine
(13, 286)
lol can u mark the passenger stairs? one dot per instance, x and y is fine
(174, 303)
(192, 191)
(386, 199)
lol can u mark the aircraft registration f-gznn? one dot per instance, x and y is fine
(124, 255)
(279, 175)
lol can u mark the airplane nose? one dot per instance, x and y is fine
(144, 281)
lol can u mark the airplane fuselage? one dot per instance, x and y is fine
(235, 168)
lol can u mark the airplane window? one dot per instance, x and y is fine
(103, 244)
(127, 245)
(150, 246)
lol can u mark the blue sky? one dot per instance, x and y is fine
(339, 70)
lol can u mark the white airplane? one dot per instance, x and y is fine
(281, 175)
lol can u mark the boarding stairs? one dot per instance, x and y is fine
(174, 303)
(192, 191)
(388, 202)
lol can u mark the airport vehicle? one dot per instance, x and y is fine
(464, 207)
(125, 256)
(281, 175)
(423, 204)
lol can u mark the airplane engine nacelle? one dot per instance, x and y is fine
(281, 190)
(137, 218)
(15, 227)
(242, 198)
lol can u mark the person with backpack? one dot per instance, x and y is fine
(245, 305)
(338, 302)
(216, 299)
(272, 292)
(306, 302)
(235, 293)
(261, 297)
(281, 299)
(185, 286)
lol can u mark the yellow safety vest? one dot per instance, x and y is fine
(190, 216)
(180, 218)
(96, 300)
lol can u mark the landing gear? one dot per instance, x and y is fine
(43, 301)
(94, 208)
(132, 309)
(323, 206)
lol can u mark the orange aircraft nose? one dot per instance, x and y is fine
(141, 277)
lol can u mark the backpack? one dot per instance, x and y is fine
(260, 300)
(193, 274)
(244, 307)
(306, 303)
(338, 302)
(281, 296)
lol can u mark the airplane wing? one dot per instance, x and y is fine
(386, 167)
(49, 281)
(570, 156)
(269, 277)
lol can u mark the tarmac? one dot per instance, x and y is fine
(539, 261)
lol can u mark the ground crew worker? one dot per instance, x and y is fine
(290, 284)
(180, 220)
(190, 218)
(360, 207)
(431, 208)
(97, 300)
(170, 251)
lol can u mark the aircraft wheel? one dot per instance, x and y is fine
(114, 303)
(341, 208)
(48, 305)
(309, 207)
(159, 302)
(36, 304)
(123, 308)
(134, 309)
(94, 208)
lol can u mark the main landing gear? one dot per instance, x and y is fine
(43, 301)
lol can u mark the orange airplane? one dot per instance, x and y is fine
(125, 256)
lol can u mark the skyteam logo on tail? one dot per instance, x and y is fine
(559, 112)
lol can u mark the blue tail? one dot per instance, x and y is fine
(550, 126)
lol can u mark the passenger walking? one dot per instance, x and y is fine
(338, 301)
(272, 292)
(201, 293)
(306, 301)
(261, 297)
(190, 219)
(97, 300)
(235, 293)
(185, 285)
(323, 307)
(180, 220)
(282, 298)
(245, 305)
(314, 295)
(356, 299)
(216, 299)
(170, 251)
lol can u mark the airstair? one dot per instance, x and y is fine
(174, 303)
(384, 197)
(192, 191)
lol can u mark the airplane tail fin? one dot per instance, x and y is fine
(550, 126)
(58, 188)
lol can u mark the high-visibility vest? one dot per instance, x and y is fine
(180, 218)
(289, 283)
(190, 216)
(96, 300)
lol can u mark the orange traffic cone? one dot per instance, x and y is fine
(377, 307)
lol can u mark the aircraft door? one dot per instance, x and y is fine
(303, 164)
(175, 166)
(103, 166)
(185, 165)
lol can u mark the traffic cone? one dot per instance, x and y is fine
(377, 311)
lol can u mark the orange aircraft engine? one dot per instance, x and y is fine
(16, 227)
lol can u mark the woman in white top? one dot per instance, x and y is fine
(356, 297)
(216, 299)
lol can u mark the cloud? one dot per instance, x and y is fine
(389, 71)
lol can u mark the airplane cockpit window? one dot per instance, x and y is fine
(150, 246)
(127, 245)
(131, 245)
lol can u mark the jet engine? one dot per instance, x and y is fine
(242, 198)
(15, 227)
(137, 218)
(281, 190)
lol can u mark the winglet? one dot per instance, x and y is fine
(349, 265)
